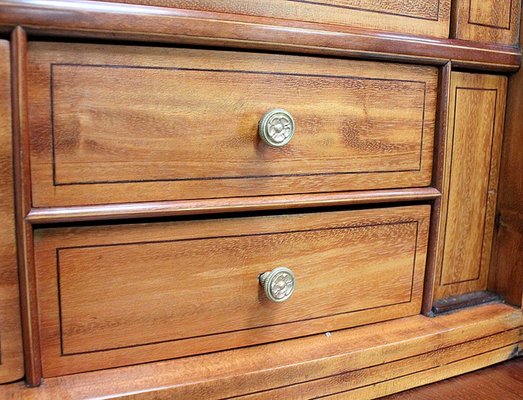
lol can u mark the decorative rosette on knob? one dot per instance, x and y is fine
(279, 284)
(276, 128)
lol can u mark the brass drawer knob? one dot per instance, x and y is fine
(278, 284)
(276, 128)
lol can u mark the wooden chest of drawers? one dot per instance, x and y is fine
(278, 199)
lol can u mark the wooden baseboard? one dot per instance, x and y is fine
(365, 362)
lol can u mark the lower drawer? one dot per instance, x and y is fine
(124, 294)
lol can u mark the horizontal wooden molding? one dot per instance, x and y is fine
(92, 19)
(215, 206)
(414, 351)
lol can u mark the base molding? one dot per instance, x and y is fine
(365, 362)
(450, 304)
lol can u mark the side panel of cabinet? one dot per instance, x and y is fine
(494, 21)
(471, 166)
(506, 270)
(11, 359)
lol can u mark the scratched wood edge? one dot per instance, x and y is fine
(24, 231)
(437, 183)
(90, 19)
(300, 361)
(213, 206)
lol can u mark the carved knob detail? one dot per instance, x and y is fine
(278, 284)
(276, 128)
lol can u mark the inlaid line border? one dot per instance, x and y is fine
(469, 21)
(493, 131)
(137, 181)
(59, 297)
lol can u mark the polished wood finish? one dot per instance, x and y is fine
(503, 381)
(191, 287)
(437, 182)
(506, 272)
(488, 21)
(415, 348)
(24, 231)
(11, 356)
(101, 292)
(38, 216)
(477, 109)
(428, 17)
(354, 384)
(129, 124)
(88, 19)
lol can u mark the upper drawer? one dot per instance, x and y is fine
(114, 124)
(418, 17)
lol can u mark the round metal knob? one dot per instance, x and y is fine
(279, 284)
(276, 128)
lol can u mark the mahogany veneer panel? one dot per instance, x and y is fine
(116, 124)
(422, 17)
(11, 356)
(491, 21)
(475, 130)
(124, 294)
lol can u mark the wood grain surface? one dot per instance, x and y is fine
(38, 216)
(24, 230)
(126, 124)
(503, 381)
(491, 21)
(11, 356)
(124, 294)
(370, 361)
(506, 271)
(95, 20)
(427, 17)
(477, 109)
(438, 171)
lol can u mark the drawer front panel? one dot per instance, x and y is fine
(121, 294)
(421, 17)
(117, 124)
